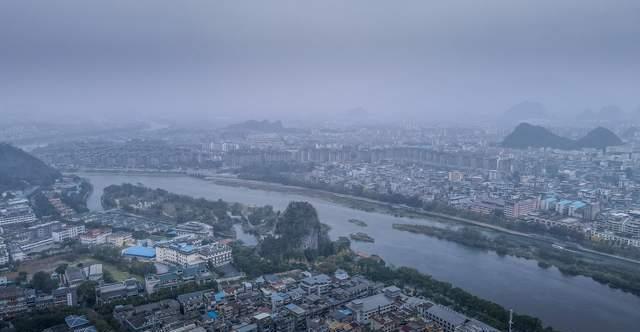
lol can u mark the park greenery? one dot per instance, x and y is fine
(163, 205)
(78, 200)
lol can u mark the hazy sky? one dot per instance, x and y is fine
(311, 59)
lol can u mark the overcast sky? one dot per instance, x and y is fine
(312, 59)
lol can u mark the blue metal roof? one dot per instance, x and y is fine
(147, 252)
(184, 247)
(212, 314)
(578, 204)
(74, 321)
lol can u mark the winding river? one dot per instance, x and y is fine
(567, 303)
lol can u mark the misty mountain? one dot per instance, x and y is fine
(258, 126)
(19, 169)
(630, 132)
(606, 113)
(527, 111)
(598, 138)
(526, 135)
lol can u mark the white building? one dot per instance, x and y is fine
(319, 284)
(187, 254)
(216, 253)
(364, 308)
(177, 253)
(517, 208)
(16, 211)
(95, 237)
(67, 232)
(453, 321)
(194, 228)
(4, 253)
(120, 239)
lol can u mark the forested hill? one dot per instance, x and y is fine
(19, 169)
(300, 226)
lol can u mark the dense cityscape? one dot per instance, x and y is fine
(154, 260)
(319, 166)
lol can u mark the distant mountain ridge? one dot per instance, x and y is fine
(524, 111)
(258, 126)
(18, 169)
(526, 135)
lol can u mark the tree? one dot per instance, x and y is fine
(236, 209)
(139, 235)
(22, 277)
(61, 268)
(87, 294)
(41, 205)
(107, 277)
(142, 268)
(42, 281)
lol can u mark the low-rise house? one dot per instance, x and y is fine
(178, 276)
(67, 232)
(364, 308)
(196, 301)
(194, 228)
(150, 317)
(13, 301)
(95, 237)
(120, 239)
(74, 276)
(453, 321)
(117, 291)
(93, 272)
(319, 284)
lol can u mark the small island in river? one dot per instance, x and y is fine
(362, 237)
(358, 222)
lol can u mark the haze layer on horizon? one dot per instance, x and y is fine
(220, 60)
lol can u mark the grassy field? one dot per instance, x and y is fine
(49, 264)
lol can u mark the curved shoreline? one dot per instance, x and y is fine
(345, 199)
(387, 206)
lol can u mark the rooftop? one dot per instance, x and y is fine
(146, 252)
(295, 309)
(371, 303)
(74, 321)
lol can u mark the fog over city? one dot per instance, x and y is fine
(319, 166)
(410, 61)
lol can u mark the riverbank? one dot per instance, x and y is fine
(132, 171)
(370, 205)
(567, 261)
(359, 203)
(527, 246)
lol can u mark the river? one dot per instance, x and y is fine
(564, 302)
